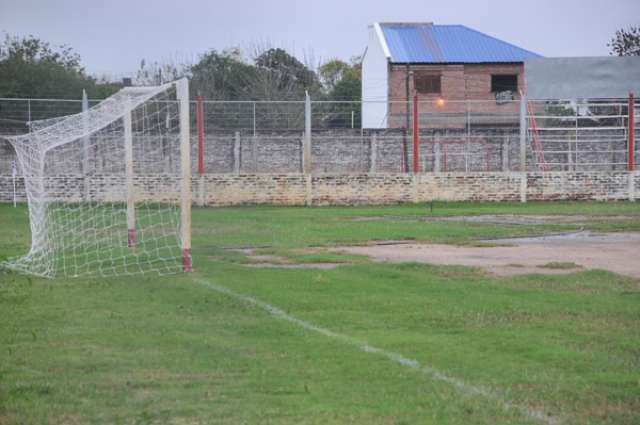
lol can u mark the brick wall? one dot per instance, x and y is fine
(458, 84)
(349, 189)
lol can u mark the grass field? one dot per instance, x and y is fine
(364, 342)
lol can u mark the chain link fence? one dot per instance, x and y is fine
(451, 136)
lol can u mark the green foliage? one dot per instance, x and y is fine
(626, 42)
(222, 76)
(342, 80)
(288, 76)
(30, 67)
(273, 75)
(156, 73)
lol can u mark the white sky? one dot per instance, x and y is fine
(112, 36)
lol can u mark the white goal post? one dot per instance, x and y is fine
(109, 189)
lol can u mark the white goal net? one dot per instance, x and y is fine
(109, 189)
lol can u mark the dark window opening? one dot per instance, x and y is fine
(500, 83)
(427, 83)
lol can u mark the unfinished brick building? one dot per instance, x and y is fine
(451, 68)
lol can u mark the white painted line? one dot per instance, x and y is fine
(395, 357)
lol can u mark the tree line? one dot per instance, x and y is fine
(31, 67)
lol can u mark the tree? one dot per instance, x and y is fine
(626, 42)
(222, 76)
(30, 67)
(156, 73)
(342, 80)
(282, 76)
(331, 72)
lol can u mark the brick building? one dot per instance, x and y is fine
(444, 65)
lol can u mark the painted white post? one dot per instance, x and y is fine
(523, 133)
(29, 114)
(85, 144)
(505, 153)
(254, 119)
(523, 147)
(236, 153)
(14, 174)
(373, 154)
(307, 148)
(128, 160)
(307, 134)
(182, 92)
(468, 140)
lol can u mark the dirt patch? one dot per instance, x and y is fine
(505, 218)
(616, 252)
(269, 261)
(294, 266)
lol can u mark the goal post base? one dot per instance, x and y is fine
(187, 266)
(131, 238)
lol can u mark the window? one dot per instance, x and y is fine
(500, 83)
(427, 83)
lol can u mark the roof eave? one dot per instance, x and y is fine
(382, 40)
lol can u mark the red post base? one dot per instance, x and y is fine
(186, 260)
(131, 239)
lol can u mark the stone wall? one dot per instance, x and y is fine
(348, 189)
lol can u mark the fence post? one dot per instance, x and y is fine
(307, 135)
(254, 119)
(416, 135)
(29, 113)
(200, 138)
(505, 153)
(437, 155)
(523, 147)
(236, 152)
(630, 159)
(523, 133)
(307, 148)
(373, 153)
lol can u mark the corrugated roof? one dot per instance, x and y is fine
(428, 43)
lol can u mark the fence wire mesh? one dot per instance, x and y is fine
(452, 136)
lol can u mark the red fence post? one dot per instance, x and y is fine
(200, 138)
(630, 159)
(416, 130)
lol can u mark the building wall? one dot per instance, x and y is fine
(459, 83)
(375, 75)
(350, 189)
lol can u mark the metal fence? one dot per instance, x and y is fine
(446, 136)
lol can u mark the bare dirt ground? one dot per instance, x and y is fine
(268, 261)
(616, 252)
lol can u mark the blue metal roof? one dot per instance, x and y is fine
(428, 43)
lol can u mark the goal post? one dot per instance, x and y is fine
(109, 189)
(182, 88)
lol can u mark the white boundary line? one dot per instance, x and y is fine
(533, 414)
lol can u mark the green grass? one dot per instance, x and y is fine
(171, 350)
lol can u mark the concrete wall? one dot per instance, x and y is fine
(351, 189)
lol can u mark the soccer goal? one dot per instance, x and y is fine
(109, 189)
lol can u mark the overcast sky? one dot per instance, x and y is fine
(112, 36)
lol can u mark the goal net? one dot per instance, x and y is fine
(109, 189)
